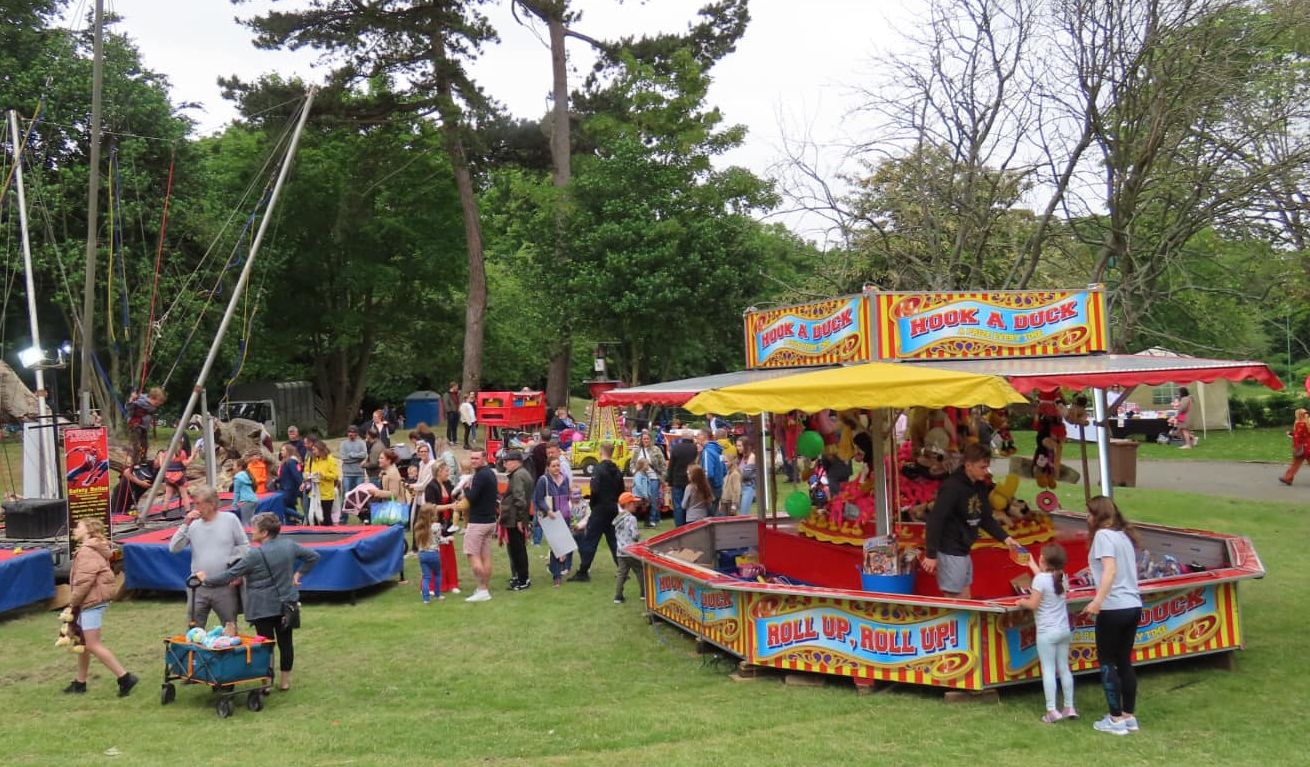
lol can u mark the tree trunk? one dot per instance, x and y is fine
(561, 358)
(475, 313)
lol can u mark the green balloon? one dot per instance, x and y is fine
(797, 505)
(810, 444)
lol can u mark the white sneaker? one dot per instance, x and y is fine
(455, 590)
(480, 595)
(1109, 725)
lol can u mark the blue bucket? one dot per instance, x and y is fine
(888, 584)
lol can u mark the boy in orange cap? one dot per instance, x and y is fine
(625, 528)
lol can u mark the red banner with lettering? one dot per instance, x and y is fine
(86, 474)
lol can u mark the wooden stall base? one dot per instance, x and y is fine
(869, 686)
(802, 679)
(970, 696)
(1224, 661)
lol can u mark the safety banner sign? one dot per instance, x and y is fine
(86, 476)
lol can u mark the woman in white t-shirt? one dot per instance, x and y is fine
(1049, 601)
(1117, 607)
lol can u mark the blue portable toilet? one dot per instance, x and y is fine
(423, 407)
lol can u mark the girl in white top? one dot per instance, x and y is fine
(1049, 601)
(1117, 608)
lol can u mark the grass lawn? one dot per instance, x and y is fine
(565, 677)
(1262, 445)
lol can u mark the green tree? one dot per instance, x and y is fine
(361, 279)
(664, 250)
(47, 68)
(426, 46)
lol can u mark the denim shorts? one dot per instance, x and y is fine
(92, 618)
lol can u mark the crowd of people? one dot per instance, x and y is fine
(695, 473)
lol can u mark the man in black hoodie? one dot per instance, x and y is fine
(606, 487)
(960, 509)
(682, 456)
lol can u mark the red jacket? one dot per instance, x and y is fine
(1301, 437)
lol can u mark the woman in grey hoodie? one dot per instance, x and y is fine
(272, 572)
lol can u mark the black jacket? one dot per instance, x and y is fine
(606, 487)
(482, 495)
(960, 509)
(682, 456)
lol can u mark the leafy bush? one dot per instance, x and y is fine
(1274, 410)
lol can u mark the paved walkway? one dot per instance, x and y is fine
(1250, 481)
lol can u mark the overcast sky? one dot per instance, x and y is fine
(792, 76)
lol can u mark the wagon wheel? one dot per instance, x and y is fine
(588, 466)
(167, 693)
(224, 707)
(255, 700)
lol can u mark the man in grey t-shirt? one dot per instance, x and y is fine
(353, 452)
(216, 539)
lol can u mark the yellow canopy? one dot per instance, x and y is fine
(871, 385)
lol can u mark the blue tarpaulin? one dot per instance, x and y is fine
(350, 558)
(26, 578)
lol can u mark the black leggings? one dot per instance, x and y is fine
(1115, 632)
(272, 627)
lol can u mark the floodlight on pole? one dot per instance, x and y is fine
(31, 357)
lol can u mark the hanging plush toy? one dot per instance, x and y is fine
(70, 634)
(1045, 467)
(1002, 439)
(1051, 410)
(1077, 412)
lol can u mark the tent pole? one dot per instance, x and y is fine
(232, 304)
(211, 454)
(1103, 441)
(882, 497)
(765, 478)
(1082, 448)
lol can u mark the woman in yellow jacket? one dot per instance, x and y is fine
(323, 473)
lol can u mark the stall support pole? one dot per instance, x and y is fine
(765, 481)
(211, 452)
(1103, 441)
(882, 495)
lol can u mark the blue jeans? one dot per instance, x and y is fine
(429, 563)
(679, 515)
(536, 532)
(1053, 649)
(654, 500)
(246, 510)
(557, 566)
(747, 498)
(350, 483)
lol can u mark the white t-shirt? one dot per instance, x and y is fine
(1123, 591)
(1052, 614)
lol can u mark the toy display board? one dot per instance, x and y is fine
(819, 333)
(870, 640)
(693, 604)
(1197, 620)
(924, 326)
